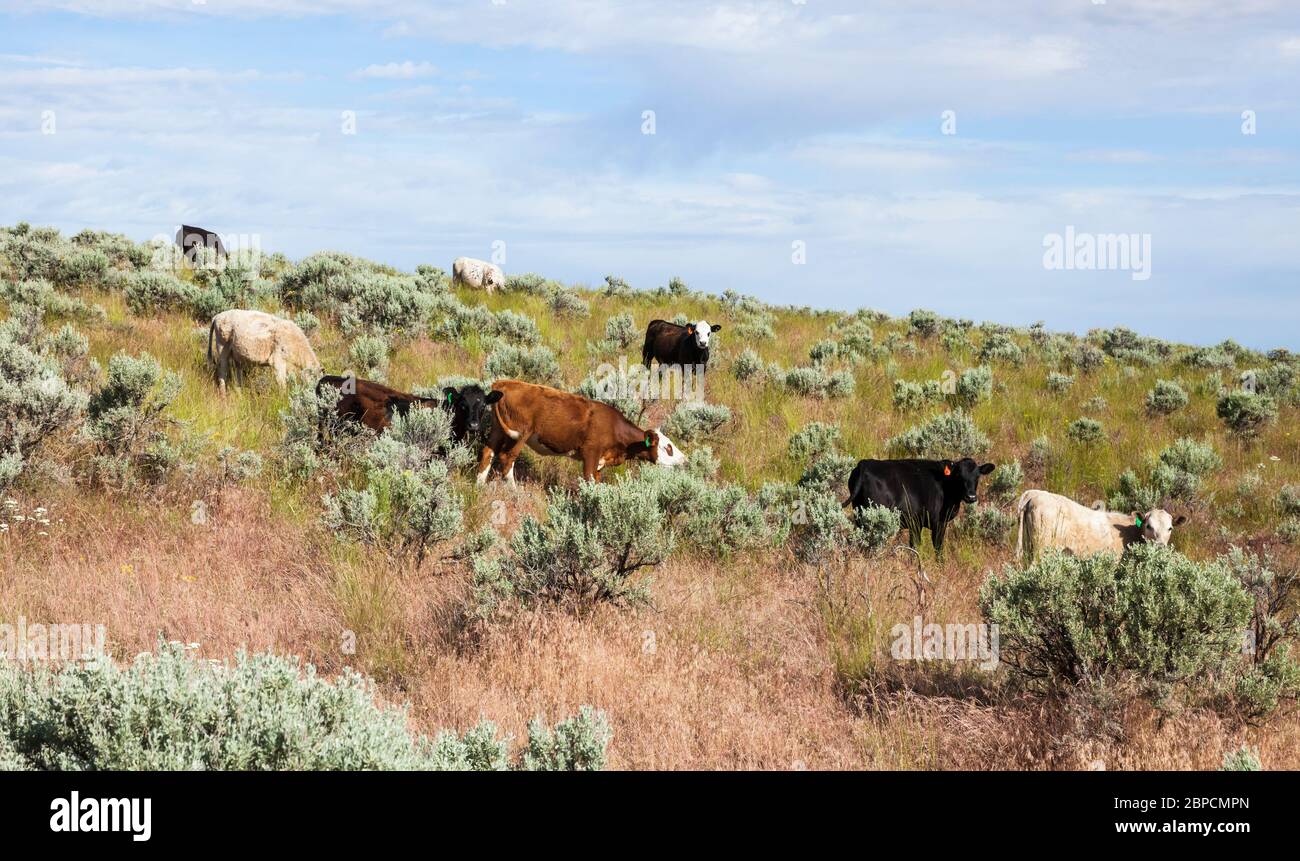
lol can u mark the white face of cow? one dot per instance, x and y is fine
(669, 454)
(702, 330)
(1158, 525)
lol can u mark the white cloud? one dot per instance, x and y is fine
(401, 71)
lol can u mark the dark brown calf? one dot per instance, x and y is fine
(552, 422)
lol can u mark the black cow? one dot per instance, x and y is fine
(927, 493)
(189, 239)
(677, 345)
(374, 404)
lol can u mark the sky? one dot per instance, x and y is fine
(925, 154)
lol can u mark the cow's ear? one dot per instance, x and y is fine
(493, 396)
(945, 466)
(450, 394)
(690, 328)
(1180, 520)
(987, 468)
(1137, 518)
(716, 326)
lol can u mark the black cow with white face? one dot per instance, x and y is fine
(672, 344)
(927, 493)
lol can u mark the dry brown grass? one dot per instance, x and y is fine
(734, 666)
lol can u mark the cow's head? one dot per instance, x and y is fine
(470, 405)
(657, 448)
(962, 477)
(1157, 525)
(701, 332)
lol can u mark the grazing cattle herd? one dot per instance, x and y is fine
(927, 494)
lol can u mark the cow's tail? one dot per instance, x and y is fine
(1021, 504)
(212, 330)
(854, 480)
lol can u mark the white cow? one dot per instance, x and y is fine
(255, 338)
(479, 274)
(1052, 520)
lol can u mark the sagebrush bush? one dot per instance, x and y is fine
(974, 386)
(368, 357)
(1004, 483)
(40, 294)
(315, 437)
(810, 522)
(951, 435)
(987, 523)
(168, 711)
(127, 421)
(568, 304)
(813, 439)
(999, 347)
(1171, 623)
(407, 502)
(531, 364)
(1057, 382)
(1085, 431)
(36, 401)
(1245, 413)
(1288, 499)
(923, 323)
(1241, 759)
(592, 545)
(1166, 397)
(909, 396)
(695, 420)
(1087, 358)
(747, 365)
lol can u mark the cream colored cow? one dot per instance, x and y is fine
(1052, 520)
(242, 338)
(479, 274)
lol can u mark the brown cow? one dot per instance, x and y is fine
(552, 422)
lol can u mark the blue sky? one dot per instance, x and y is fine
(775, 122)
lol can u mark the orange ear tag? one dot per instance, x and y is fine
(947, 470)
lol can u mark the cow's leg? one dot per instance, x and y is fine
(590, 466)
(937, 529)
(511, 454)
(281, 369)
(223, 367)
(495, 440)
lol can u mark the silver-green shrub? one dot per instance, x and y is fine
(747, 365)
(1245, 413)
(531, 364)
(1085, 431)
(127, 422)
(36, 401)
(696, 420)
(168, 711)
(951, 435)
(1172, 624)
(407, 502)
(1165, 397)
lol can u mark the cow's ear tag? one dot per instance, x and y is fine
(448, 397)
(947, 470)
(1137, 521)
(647, 440)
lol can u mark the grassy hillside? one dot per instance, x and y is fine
(746, 659)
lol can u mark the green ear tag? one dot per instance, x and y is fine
(1138, 520)
(647, 440)
(448, 397)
